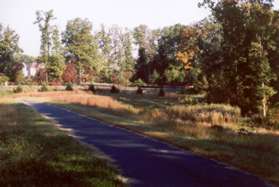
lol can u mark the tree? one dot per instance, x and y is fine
(124, 57)
(140, 35)
(175, 74)
(147, 42)
(56, 67)
(240, 63)
(169, 53)
(25, 58)
(41, 75)
(117, 56)
(56, 63)
(116, 48)
(166, 60)
(43, 20)
(70, 73)
(154, 77)
(9, 52)
(82, 46)
(104, 42)
(273, 52)
(260, 68)
(56, 47)
(188, 47)
(146, 38)
(104, 39)
(141, 67)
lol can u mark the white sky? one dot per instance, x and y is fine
(20, 15)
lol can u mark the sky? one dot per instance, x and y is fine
(20, 15)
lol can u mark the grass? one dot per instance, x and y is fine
(33, 152)
(214, 131)
(215, 114)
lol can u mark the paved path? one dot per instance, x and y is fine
(149, 162)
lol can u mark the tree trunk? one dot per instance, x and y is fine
(79, 75)
(264, 104)
(46, 77)
(47, 61)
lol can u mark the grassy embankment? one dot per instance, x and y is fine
(214, 131)
(33, 152)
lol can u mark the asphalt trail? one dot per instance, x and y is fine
(149, 162)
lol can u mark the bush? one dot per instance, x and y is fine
(139, 82)
(70, 74)
(18, 89)
(114, 89)
(69, 87)
(43, 88)
(28, 81)
(18, 77)
(92, 88)
(269, 122)
(139, 91)
(3, 79)
(161, 92)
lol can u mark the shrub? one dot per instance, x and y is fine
(18, 89)
(69, 87)
(139, 91)
(270, 121)
(3, 79)
(41, 75)
(139, 82)
(70, 73)
(18, 77)
(28, 81)
(43, 88)
(92, 88)
(114, 89)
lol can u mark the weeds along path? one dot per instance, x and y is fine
(148, 162)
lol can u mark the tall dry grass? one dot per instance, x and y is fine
(207, 114)
(211, 114)
(84, 98)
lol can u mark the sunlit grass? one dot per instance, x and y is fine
(35, 153)
(83, 98)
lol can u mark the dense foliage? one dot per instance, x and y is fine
(239, 67)
(9, 53)
(231, 56)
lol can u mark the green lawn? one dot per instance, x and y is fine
(33, 152)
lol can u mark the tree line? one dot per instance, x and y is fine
(232, 55)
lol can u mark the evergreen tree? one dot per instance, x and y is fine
(56, 63)
(141, 67)
(10, 65)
